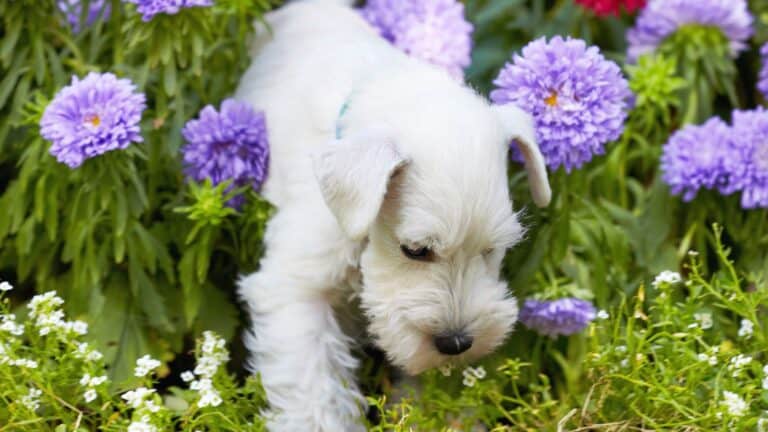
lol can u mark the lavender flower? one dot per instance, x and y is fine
(564, 316)
(747, 161)
(149, 8)
(693, 158)
(577, 98)
(762, 82)
(432, 30)
(227, 145)
(92, 116)
(661, 18)
(73, 9)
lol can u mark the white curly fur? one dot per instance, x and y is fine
(421, 162)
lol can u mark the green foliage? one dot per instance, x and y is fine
(106, 235)
(50, 379)
(149, 260)
(662, 360)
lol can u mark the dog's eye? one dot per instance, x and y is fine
(420, 254)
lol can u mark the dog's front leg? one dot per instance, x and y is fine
(296, 343)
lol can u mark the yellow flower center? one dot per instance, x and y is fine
(551, 100)
(94, 120)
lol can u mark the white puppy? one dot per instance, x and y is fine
(390, 183)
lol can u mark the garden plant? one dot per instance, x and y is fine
(129, 208)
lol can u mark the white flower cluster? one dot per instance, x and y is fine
(141, 399)
(32, 399)
(704, 320)
(213, 354)
(710, 358)
(602, 315)
(5, 286)
(765, 377)
(734, 404)
(746, 329)
(85, 352)
(21, 362)
(90, 383)
(762, 424)
(44, 308)
(142, 425)
(8, 324)
(145, 365)
(471, 375)
(666, 277)
(738, 363)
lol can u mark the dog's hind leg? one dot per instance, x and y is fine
(296, 344)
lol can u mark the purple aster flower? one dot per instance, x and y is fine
(693, 158)
(149, 8)
(762, 81)
(228, 145)
(578, 99)
(73, 9)
(432, 30)
(661, 18)
(747, 161)
(92, 116)
(564, 316)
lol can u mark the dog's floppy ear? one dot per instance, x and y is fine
(519, 126)
(353, 173)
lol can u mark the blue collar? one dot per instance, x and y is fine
(342, 111)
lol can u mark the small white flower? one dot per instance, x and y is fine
(80, 327)
(209, 397)
(702, 357)
(479, 372)
(94, 356)
(27, 363)
(704, 319)
(762, 424)
(765, 370)
(32, 399)
(151, 406)
(738, 363)
(135, 398)
(765, 383)
(624, 363)
(621, 349)
(90, 395)
(734, 404)
(712, 360)
(88, 381)
(187, 376)
(202, 384)
(746, 329)
(5, 286)
(603, 315)
(446, 369)
(142, 426)
(693, 325)
(693, 253)
(207, 366)
(666, 277)
(11, 326)
(469, 380)
(145, 365)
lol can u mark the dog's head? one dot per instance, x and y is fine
(430, 195)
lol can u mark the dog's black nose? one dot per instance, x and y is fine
(453, 343)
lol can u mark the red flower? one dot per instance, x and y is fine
(607, 7)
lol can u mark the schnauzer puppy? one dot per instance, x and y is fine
(389, 180)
